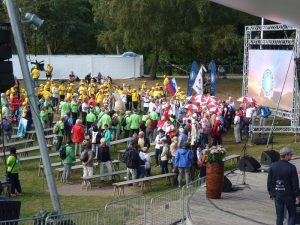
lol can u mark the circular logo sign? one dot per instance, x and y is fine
(267, 83)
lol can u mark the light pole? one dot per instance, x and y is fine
(31, 96)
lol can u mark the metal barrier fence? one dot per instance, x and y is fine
(87, 217)
(126, 211)
(169, 207)
(24, 221)
(166, 208)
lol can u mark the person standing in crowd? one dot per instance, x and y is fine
(237, 128)
(78, 132)
(105, 119)
(173, 149)
(13, 167)
(283, 186)
(217, 131)
(74, 108)
(145, 156)
(164, 157)
(70, 158)
(7, 129)
(68, 126)
(90, 118)
(132, 160)
(116, 125)
(104, 159)
(59, 131)
(87, 159)
(49, 70)
(126, 124)
(35, 73)
(62, 90)
(84, 110)
(135, 121)
(106, 134)
(183, 161)
(159, 145)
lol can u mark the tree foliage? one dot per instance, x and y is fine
(176, 31)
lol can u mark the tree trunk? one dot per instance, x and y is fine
(49, 49)
(154, 66)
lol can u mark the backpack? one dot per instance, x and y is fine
(69, 123)
(220, 127)
(114, 121)
(6, 125)
(63, 153)
(123, 122)
(84, 157)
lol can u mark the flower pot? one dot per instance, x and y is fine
(214, 179)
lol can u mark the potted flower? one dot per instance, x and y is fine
(214, 171)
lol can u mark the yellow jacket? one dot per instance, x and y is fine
(35, 73)
(62, 89)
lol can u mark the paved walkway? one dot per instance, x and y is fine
(249, 204)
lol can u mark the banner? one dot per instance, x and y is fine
(172, 86)
(198, 85)
(192, 77)
(213, 71)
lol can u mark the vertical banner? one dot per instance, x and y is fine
(192, 78)
(198, 85)
(213, 71)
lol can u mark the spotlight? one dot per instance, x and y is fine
(33, 19)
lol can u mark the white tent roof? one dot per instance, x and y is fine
(280, 11)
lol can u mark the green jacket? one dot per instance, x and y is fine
(74, 106)
(127, 119)
(61, 128)
(105, 119)
(118, 126)
(13, 164)
(154, 116)
(70, 152)
(65, 107)
(91, 117)
(135, 121)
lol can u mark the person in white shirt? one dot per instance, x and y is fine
(55, 95)
(237, 130)
(145, 155)
(158, 145)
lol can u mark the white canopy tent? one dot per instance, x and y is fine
(280, 11)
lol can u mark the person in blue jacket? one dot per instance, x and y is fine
(283, 186)
(183, 161)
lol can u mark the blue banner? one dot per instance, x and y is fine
(192, 78)
(213, 71)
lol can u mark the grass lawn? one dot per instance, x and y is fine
(36, 196)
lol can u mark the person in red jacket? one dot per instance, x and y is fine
(78, 132)
(217, 131)
(14, 106)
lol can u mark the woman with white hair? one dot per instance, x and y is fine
(104, 158)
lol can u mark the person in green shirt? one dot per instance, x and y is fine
(135, 121)
(90, 118)
(116, 125)
(44, 116)
(74, 108)
(50, 111)
(13, 167)
(70, 158)
(127, 124)
(65, 107)
(105, 119)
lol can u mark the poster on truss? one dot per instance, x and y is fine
(266, 74)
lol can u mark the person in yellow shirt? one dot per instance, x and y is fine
(52, 85)
(135, 98)
(157, 93)
(35, 73)
(70, 91)
(81, 89)
(47, 94)
(62, 90)
(144, 85)
(47, 86)
(49, 70)
(99, 97)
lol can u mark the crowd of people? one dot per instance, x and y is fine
(89, 116)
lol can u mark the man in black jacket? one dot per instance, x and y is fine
(283, 186)
(132, 160)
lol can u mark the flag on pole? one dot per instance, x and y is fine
(198, 85)
(172, 86)
(192, 78)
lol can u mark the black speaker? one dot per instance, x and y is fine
(268, 157)
(262, 141)
(249, 164)
(5, 41)
(227, 185)
(9, 210)
(6, 76)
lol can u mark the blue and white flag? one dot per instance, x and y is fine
(192, 77)
(198, 85)
(213, 70)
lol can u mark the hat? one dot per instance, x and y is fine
(285, 151)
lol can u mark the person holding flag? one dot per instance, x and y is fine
(166, 82)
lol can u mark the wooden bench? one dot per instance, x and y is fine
(145, 182)
(87, 181)
(49, 138)
(37, 157)
(233, 158)
(25, 151)
(26, 142)
(31, 133)
(55, 164)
